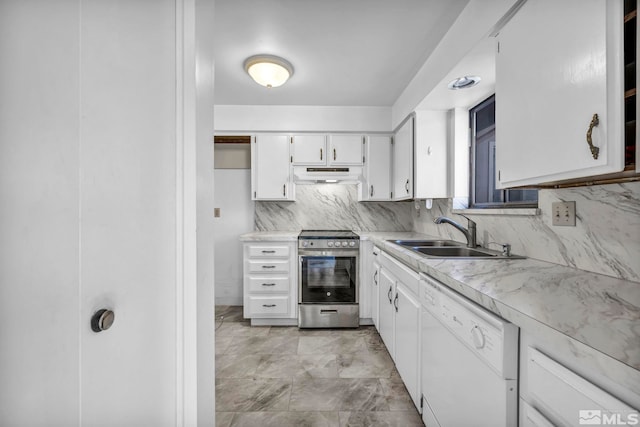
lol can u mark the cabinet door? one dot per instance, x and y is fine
(403, 162)
(432, 155)
(345, 150)
(377, 185)
(309, 150)
(375, 284)
(270, 172)
(407, 340)
(386, 313)
(549, 85)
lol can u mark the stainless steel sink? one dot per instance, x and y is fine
(451, 249)
(457, 252)
(423, 243)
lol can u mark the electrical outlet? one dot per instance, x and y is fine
(563, 213)
(216, 212)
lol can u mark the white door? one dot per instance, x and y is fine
(386, 312)
(403, 162)
(378, 168)
(270, 165)
(407, 341)
(549, 87)
(345, 149)
(309, 150)
(232, 195)
(89, 215)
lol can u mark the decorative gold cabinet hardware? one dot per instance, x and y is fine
(594, 150)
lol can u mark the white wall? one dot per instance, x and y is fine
(233, 197)
(256, 118)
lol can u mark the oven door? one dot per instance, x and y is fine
(326, 276)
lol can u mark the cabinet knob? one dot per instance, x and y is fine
(102, 320)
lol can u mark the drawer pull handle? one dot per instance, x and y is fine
(268, 266)
(594, 150)
(268, 252)
(268, 284)
(321, 154)
(395, 302)
(334, 154)
(375, 277)
(371, 192)
(406, 186)
(390, 293)
(328, 311)
(268, 305)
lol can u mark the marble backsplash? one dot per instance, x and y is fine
(332, 207)
(605, 240)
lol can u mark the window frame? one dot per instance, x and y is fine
(504, 193)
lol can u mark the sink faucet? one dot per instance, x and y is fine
(470, 234)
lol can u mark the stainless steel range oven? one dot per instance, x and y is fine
(328, 279)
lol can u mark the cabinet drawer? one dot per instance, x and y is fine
(404, 274)
(268, 251)
(268, 284)
(269, 306)
(269, 266)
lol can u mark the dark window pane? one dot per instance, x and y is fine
(483, 170)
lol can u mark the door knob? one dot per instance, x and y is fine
(102, 320)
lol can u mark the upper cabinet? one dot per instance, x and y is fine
(403, 161)
(433, 157)
(377, 169)
(270, 171)
(323, 150)
(560, 92)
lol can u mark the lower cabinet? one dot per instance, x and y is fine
(270, 285)
(399, 320)
(374, 280)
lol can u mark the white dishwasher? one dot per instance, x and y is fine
(469, 362)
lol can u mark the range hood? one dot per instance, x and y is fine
(320, 175)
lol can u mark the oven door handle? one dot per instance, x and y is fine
(341, 253)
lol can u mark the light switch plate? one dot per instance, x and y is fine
(563, 213)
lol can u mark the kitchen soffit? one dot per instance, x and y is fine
(345, 53)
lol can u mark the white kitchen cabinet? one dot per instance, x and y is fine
(403, 161)
(270, 284)
(310, 150)
(386, 317)
(433, 155)
(345, 150)
(327, 150)
(375, 284)
(399, 320)
(407, 340)
(558, 64)
(377, 169)
(365, 295)
(270, 169)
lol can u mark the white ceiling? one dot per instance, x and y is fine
(344, 52)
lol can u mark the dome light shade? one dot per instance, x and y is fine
(464, 82)
(268, 70)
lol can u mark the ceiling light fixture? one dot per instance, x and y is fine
(268, 70)
(464, 82)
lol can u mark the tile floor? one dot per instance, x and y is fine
(283, 376)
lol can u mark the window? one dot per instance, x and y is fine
(483, 190)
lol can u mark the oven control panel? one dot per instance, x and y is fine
(329, 243)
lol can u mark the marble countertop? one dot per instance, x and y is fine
(601, 312)
(266, 236)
